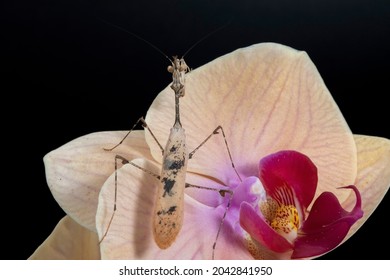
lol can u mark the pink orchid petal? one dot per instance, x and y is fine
(326, 226)
(76, 171)
(289, 169)
(259, 230)
(267, 97)
(130, 235)
(68, 241)
(373, 179)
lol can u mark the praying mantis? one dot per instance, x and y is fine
(168, 213)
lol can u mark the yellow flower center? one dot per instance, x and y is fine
(284, 219)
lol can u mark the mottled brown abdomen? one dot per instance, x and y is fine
(168, 211)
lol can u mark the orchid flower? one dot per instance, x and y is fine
(307, 182)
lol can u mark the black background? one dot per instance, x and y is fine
(65, 73)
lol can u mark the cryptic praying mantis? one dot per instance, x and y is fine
(168, 213)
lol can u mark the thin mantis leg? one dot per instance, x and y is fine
(216, 131)
(144, 125)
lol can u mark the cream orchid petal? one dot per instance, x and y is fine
(130, 235)
(267, 97)
(68, 241)
(76, 171)
(373, 179)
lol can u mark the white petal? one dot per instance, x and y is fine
(130, 234)
(373, 180)
(68, 241)
(76, 171)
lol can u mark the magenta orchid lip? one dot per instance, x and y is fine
(290, 181)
